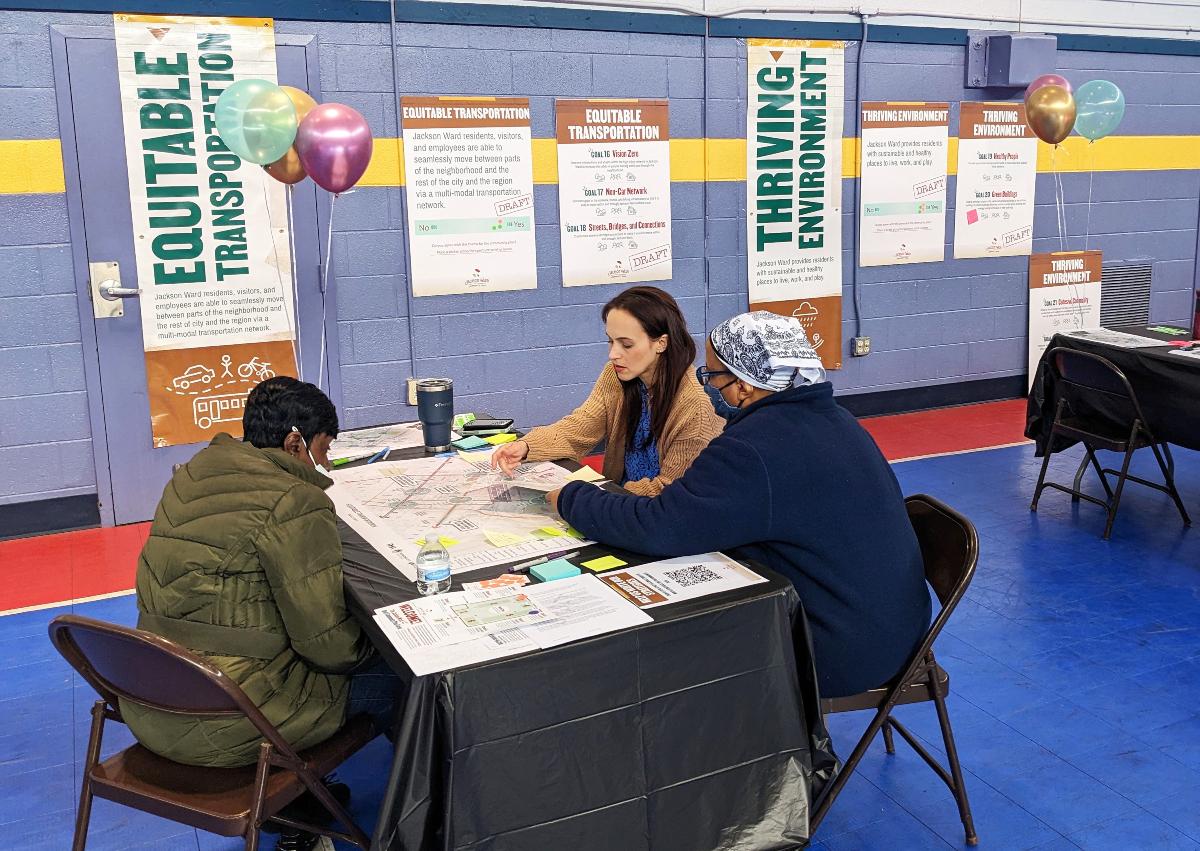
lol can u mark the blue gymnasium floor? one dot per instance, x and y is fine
(1075, 679)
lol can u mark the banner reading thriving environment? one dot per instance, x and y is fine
(794, 185)
(614, 191)
(902, 169)
(1064, 295)
(468, 166)
(997, 176)
(210, 231)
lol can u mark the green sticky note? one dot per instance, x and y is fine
(471, 442)
(604, 563)
(558, 568)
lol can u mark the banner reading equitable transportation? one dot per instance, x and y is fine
(794, 185)
(210, 230)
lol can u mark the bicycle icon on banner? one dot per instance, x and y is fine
(254, 368)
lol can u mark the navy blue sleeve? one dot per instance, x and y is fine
(722, 501)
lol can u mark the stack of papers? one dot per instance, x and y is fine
(447, 631)
(1114, 338)
(365, 442)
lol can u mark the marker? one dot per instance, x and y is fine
(379, 456)
(524, 566)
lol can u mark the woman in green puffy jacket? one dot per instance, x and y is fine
(244, 566)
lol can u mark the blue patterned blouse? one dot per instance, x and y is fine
(641, 459)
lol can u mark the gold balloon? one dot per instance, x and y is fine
(287, 169)
(1050, 113)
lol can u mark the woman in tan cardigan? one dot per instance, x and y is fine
(646, 405)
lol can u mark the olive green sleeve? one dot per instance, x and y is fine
(301, 554)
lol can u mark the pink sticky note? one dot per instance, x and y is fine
(972, 216)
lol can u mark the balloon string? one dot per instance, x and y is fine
(1087, 234)
(1058, 204)
(299, 344)
(325, 291)
(292, 326)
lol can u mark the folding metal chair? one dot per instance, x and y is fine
(138, 666)
(950, 550)
(1096, 405)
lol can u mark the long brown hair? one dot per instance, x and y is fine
(658, 314)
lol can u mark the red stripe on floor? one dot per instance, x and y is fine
(946, 430)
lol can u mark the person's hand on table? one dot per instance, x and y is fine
(552, 499)
(508, 456)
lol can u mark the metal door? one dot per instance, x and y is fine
(130, 472)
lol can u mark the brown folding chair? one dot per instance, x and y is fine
(138, 666)
(950, 550)
(1083, 384)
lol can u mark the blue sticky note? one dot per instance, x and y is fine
(558, 568)
(471, 442)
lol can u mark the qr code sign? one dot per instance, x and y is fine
(694, 574)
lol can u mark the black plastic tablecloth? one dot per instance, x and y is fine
(1167, 387)
(697, 731)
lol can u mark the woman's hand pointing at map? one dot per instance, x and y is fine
(509, 456)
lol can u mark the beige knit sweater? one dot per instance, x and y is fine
(689, 428)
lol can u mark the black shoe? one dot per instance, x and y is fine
(300, 841)
(309, 809)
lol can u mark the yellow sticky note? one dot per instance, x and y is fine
(574, 533)
(502, 539)
(497, 439)
(604, 563)
(474, 458)
(548, 532)
(584, 474)
(446, 542)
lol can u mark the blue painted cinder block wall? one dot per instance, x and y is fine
(533, 354)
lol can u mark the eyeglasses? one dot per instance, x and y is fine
(705, 376)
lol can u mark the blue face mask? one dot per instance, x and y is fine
(724, 409)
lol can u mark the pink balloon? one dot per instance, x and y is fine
(334, 144)
(1048, 80)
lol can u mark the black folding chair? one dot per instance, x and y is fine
(138, 666)
(950, 550)
(1095, 404)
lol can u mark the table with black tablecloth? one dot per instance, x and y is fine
(1166, 385)
(696, 731)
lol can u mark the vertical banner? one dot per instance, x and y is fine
(794, 185)
(1064, 295)
(210, 231)
(902, 168)
(468, 166)
(614, 191)
(997, 176)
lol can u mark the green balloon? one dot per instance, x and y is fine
(1099, 108)
(256, 120)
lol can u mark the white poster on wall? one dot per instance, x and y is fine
(1064, 296)
(468, 166)
(794, 185)
(614, 191)
(903, 172)
(210, 229)
(997, 177)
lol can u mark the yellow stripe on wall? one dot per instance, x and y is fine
(30, 167)
(34, 166)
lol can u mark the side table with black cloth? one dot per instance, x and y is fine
(697, 731)
(1167, 387)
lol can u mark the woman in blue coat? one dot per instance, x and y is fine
(795, 483)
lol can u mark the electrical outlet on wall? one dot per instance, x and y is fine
(860, 346)
(412, 391)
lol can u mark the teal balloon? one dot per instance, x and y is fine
(1099, 108)
(256, 120)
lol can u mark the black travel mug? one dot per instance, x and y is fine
(435, 408)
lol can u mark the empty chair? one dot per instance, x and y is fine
(1095, 405)
(138, 666)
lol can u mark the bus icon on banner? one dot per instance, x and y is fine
(209, 410)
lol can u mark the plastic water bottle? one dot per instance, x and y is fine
(433, 566)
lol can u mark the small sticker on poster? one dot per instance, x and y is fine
(614, 191)
(468, 165)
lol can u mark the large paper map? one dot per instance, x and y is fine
(482, 516)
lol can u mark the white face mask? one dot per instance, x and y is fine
(304, 443)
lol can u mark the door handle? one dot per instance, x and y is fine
(113, 291)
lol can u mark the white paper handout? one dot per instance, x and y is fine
(673, 580)
(1115, 338)
(365, 442)
(1183, 354)
(484, 517)
(467, 627)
